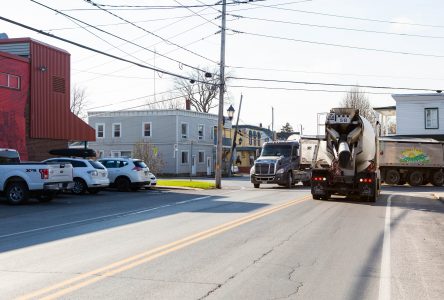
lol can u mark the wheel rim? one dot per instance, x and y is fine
(416, 179)
(16, 194)
(393, 177)
(78, 187)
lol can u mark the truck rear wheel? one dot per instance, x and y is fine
(392, 177)
(438, 178)
(256, 185)
(416, 178)
(17, 192)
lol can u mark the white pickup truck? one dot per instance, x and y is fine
(19, 181)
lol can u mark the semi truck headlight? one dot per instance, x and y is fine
(252, 170)
(280, 171)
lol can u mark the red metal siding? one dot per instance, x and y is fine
(12, 105)
(49, 108)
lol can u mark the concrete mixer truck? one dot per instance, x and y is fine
(352, 144)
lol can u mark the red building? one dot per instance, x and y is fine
(35, 111)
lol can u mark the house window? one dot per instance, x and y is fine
(201, 157)
(214, 132)
(200, 131)
(9, 81)
(184, 130)
(146, 129)
(184, 157)
(117, 130)
(250, 137)
(100, 131)
(259, 138)
(431, 118)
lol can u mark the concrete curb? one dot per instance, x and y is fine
(166, 187)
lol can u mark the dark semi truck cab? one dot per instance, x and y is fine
(276, 164)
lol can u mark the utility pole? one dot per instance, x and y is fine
(234, 137)
(218, 171)
(272, 123)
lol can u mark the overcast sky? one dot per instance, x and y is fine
(395, 43)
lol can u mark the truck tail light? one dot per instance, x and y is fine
(319, 178)
(366, 180)
(44, 173)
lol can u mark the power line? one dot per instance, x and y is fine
(333, 84)
(160, 7)
(123, 23)
(125, 68)
(152, 33)
(331, 73)
(137, 106)
(338, 28)
(95, 50)
(113, 35)
(197, 14)
(336, 45)
(350, 17)
(300, 89)
(135, 99)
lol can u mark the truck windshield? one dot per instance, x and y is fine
(276, 150)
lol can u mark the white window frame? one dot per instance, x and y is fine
(143, 129)
(200, 137)
(120, 130)
(184, 136)
(97, 131)
(181, 157)
(431, 126)
(113, 152)
(203, 157)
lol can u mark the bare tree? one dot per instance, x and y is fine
(357, 99)
(166, 102)
(287, 128)
(150, 155)
(78, 102)
(203, 93)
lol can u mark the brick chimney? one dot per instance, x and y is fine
(187, 104)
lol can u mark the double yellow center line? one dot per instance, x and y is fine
(85, 279)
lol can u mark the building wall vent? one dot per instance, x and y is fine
(58, 84)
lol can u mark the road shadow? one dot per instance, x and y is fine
(70, 215)
(371, 267)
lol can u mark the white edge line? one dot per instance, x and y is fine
(385, 276)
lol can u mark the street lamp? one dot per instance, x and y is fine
(230, 112)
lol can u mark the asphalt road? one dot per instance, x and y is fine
(234, 243)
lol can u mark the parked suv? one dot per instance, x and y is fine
(89, 175)
(127, 173)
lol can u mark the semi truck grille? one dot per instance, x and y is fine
(264, 169)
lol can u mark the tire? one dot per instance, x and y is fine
(256, 185)
(79, 186)
(289, 184)
(94, 191)
(316, 197)
(392, 177)
(123, 184)
(438, 178)
(17, 192)
(416, 178)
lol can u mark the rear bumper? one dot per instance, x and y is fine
(58, 186)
